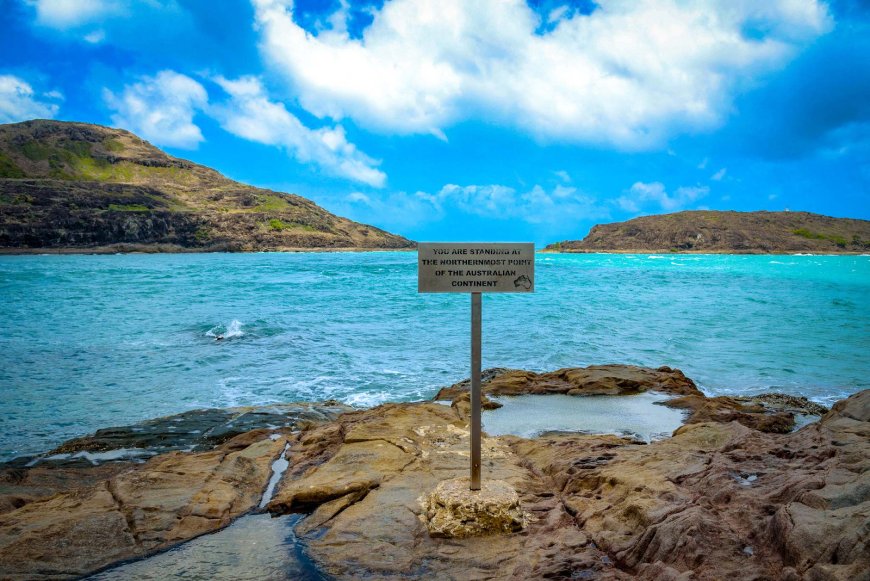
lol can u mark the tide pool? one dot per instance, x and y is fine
(94, 341)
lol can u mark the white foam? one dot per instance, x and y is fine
(230, 331)
(96, 458)
(368, 399)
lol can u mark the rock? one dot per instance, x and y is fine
(592, 380)
(85, 461)
(717, 500)
(786, 402)
(365, 481)
(169, 499)
(728, 409)
(454, 511)
(196, 430)
(728, 232)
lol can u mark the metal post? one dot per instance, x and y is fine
(475, 390)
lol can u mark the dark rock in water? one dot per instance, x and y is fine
(84, 461)
(592, 380)
(196, 430)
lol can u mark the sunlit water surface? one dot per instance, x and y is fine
(94, 341)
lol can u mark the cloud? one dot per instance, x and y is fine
(69, 14)
(643, 196)
(630, 74)
(719, 175)
(161, 109)
(18, 101)
(499, 202)
(251, 115)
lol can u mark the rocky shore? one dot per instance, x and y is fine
(733, 493)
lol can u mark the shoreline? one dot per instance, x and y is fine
(172, 249)
(748, 492)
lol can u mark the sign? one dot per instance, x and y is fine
(473, 267)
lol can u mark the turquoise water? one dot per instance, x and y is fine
(94, 341)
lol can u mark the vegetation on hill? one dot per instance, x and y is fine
(85, 187)
(726, 232)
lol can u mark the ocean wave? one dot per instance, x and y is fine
(231, 331)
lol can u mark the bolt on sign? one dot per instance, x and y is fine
(475, 268)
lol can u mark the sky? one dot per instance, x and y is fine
(473, 120)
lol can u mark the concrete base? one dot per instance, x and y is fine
(454, 511)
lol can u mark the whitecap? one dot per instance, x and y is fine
(368, 399)
(230, 331)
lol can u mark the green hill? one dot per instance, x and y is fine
(82, 187)
(726, 232)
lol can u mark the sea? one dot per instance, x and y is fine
(91, 341)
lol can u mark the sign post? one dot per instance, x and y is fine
(475, 267)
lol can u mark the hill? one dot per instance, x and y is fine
(81, 187)
(726, 232)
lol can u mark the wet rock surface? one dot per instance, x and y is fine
(63, 515)
(719, 499)
(592, 380)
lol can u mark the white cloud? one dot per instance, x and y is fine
(719, 175)
(631, 74)
(251, 115)
(535, 206)
(68, 14)
(564, 176)
(646, 195)
(161, 109)
(401, 210)
(18, 101)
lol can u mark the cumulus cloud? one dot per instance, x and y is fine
(630, 74)
(250, 114)
(161, 109)
(19, 102)
(645, 196)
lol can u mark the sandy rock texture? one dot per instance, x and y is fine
(171, 498)
(718, 500)
(721, 499)
(67, 517)
(593, 380)
(454, 511)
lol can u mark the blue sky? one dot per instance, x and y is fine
(473, 120)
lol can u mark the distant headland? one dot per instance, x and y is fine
(708, 231)
(77, 187)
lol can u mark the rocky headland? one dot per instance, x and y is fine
(77, 187)
(735, 492)
(709, 231)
